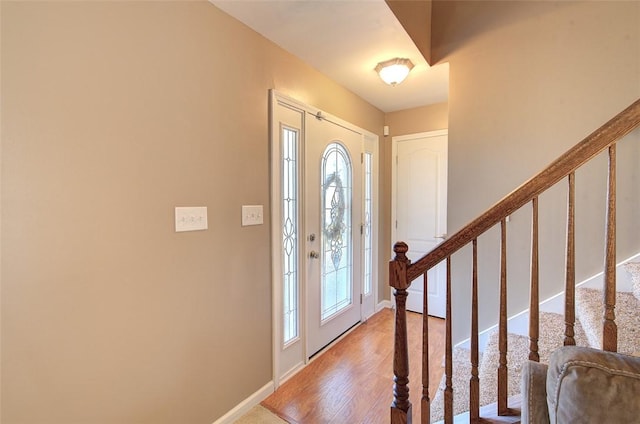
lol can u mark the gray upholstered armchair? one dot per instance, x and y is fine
(582, 385)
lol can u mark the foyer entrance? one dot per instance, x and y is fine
(323, 230)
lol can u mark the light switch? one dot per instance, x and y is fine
(191, 218)
(252, 215)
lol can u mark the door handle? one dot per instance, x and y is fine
(314, 255)
(441, 236)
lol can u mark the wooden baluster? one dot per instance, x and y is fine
(474, 383)
(448, 364)
(401, 406)
(570, 281)
(534, 299)
(503, 408)
(610, 329)
(425, 407)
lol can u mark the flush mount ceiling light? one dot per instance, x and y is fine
(394, 71)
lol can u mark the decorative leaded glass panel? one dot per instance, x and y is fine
(290, 275)
(336, 193)
(368, 236)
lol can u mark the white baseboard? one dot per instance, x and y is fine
(519, 323)
(293, 371)
(384, 304)
(244, 406)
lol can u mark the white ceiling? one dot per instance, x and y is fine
(345, 40)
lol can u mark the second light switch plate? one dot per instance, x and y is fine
(252, 215)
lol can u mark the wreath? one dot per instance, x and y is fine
(333, 231)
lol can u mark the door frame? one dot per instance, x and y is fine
(370, 145)
(394, 182)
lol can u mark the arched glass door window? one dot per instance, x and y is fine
(337, 258)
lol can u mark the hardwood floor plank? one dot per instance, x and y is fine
(352, 381)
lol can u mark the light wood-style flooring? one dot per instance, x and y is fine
(352, 382)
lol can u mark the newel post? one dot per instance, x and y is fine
(401, 406)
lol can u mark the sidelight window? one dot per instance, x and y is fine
(290, 205)
(367, 230)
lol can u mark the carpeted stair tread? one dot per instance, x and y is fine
(517, 354)
(460, 383)
(590, 310)
(587, 332)
(552, 329)
(633, 269)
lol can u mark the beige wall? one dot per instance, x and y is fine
(527, 81)
(417, 120)
(113, 113)
(415, 17)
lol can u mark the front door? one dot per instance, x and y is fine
(421, 210)
(323, 226)
(333, 219)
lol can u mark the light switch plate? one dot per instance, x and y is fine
(191, 218)
(252, 215)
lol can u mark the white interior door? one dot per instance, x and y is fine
(333, 220)
(421, 210)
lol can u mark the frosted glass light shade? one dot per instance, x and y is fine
(394, 71)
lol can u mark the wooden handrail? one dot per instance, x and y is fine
(402, 272)
(619, 126)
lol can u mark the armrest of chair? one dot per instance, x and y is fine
(534, 393)
(593, 386)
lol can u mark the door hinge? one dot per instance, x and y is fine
(361, 229)
(361, 298)
(362, 157)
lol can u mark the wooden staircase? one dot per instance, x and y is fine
(517, 344)
(402, 272)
